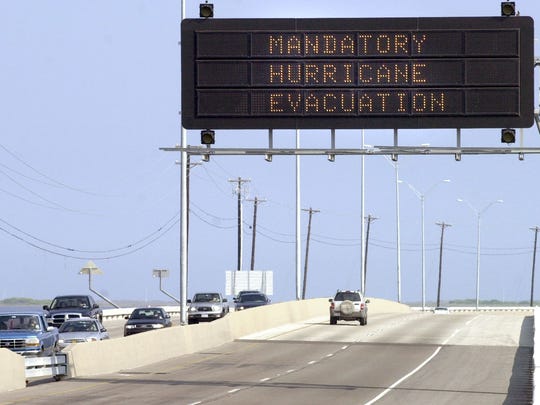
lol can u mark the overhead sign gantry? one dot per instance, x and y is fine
(473, 72)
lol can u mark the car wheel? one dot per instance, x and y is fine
(363, 320)
(333, 320)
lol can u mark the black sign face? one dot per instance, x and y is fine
(357, 73)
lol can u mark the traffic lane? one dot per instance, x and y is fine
(217, 372)
(115, 327)
(486, 329)
(403, 328)
(469, 375)
(239, 372)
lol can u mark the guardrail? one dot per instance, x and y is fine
(480, 309)
(49, 366)
(121, 313)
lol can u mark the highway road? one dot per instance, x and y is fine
(411, 358)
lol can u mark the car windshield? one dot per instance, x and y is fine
(18, 322)
(147, 313)
(347, 296)
(78, 326)
(253, 298)
(70, 302)
(206, 298)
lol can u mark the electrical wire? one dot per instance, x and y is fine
(175, 218)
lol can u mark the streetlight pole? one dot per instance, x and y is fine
(422, 197)
(535, 229)
(478, 214)
(398, 232)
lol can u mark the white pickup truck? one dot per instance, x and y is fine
(206, 307)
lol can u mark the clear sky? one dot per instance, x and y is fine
(90, 90)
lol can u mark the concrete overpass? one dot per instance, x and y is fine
(392, 328)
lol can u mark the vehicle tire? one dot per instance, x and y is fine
(346, 307)
(333, 320)
(100, 318)
(363, 320)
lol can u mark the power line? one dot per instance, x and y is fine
(57, 246)
(89, 257)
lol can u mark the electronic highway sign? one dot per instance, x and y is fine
(473, 72)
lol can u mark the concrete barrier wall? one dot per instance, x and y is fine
(12, 371)
(146, 348)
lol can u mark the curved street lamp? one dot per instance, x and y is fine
(478, 214)
(422, 197)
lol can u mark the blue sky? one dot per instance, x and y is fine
(91, 91)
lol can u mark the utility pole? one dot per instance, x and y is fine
(369, 220)
(311, 212)
(535, 229)
(256, 202)
(238, 191)
(443, 225)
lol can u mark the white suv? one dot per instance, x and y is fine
(348, 306)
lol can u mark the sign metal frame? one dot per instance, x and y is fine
(211, 45)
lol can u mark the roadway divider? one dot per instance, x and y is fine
(48, 366)
(12, 371)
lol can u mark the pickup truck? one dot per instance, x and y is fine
(72, 306)
(206, 307)
(27, 333)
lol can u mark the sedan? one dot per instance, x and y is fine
(146, 319)
(251, 300)
(79, 330)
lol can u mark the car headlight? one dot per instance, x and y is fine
(240, 308)
(131, 326)
(216, 307)
(31, 342)
(61, 341)
(91, 339)
(192, 309)
(157, 326)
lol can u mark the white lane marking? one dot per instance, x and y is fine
(233, 391)
(344, 347)
(329, 354)
(196, 403)
(471, 320)
(386, 391)
(292, 370)
(312, 362)
(451, 336)
(264, 379)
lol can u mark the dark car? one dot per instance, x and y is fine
(251, 300)
(146, 319)
(72, 306)
(237, 298)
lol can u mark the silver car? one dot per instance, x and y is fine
(79, 330)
